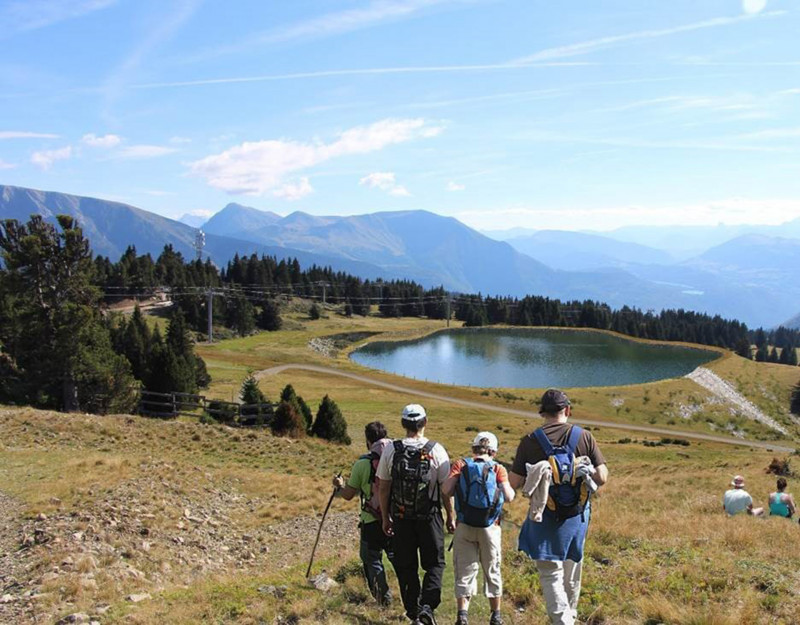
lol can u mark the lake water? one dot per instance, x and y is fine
(529, 358)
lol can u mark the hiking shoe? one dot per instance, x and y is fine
(497, 619)
(462, 620)
(425, 616)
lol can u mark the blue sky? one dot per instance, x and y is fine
(502, 113)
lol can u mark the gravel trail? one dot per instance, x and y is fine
(522, 413)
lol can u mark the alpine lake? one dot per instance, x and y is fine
(531, 358)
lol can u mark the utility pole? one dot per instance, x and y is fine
(210, 307)
(324, 286)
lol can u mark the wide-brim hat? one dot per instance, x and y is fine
(738, 481)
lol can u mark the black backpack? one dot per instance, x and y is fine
(411, 477)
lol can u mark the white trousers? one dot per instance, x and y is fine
(561, 586)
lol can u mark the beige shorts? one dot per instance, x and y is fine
(477, 548)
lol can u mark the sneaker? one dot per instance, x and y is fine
(497, 619)
(462, 620)
(425, 616)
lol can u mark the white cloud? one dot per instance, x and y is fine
(454, 186)
(22, 15)
(144, 151)
(295, 191)
(106, 141)
(46, 158)
(601, 43)
(772, 133)
(4, 165)
(20, 134)
(256, 167)
(754, 6)
(385, 181)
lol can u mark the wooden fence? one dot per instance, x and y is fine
(169, 405)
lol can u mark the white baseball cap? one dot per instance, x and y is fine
(413, 412)
(488, 436)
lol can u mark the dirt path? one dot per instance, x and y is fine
(521, 413)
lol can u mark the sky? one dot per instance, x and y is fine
(502, 113)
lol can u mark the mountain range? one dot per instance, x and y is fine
(749, 277)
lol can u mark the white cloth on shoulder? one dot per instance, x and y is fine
(537, 486)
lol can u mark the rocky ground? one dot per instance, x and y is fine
(168, 528)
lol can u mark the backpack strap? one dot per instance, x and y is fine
(574, 438)
(463, 476)
(544, 442)
(428, 448)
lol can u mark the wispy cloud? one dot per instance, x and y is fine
(46, 158)
(167, 26)
(21, 134)
(602, 43)
(24, 15)
(771, 134)
(375, 13)
(143, 151)
(385, 181)
(257, 167)
(105, 141)
(454, 186)
(5, 165)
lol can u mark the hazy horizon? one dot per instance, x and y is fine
(503, 114)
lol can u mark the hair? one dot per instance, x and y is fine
(781, 483)
(414, 426)
(482, 448)
(374, 431)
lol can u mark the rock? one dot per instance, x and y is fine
(137, 598)
(77, 617)
(7, 599)
(279, 592)
(41, 516)
(322, 582)
(55, 501)
(102, 608)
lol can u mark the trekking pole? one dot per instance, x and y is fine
(319, 531)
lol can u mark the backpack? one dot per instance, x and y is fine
(411, 476)
(568, 494)
(372, 504)
(479, 498)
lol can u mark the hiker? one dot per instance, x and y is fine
(363, 482)
(411, 473)
(556, 542)
(480, 486)
(781, 503)
(737, 500)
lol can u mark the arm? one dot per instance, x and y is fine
(451, 515)
(516, 480)
(508, 491)
(790, 504)
(347, 492)
(384, 488)
(449, 486)
(601, 477)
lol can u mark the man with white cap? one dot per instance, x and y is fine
(480, 486)
(411, 473)
(737, 499)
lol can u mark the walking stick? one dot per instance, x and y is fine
(319, 531)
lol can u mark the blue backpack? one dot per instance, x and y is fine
(568, 494)
(479, 498)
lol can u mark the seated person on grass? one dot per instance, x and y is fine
(737, 499)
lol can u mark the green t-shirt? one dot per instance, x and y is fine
(359, 480)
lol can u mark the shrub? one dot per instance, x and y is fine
(314, 312)
(779, 467)
(330, 423)
(222, 412)
(288, 421)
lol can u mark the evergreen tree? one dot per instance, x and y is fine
(241, 316)
(743, 348)
(55, 335)
(288, 421)
(289, 395)
(314, 312)
(792, 359)
(773, 355)
(330, 424)
(270, 317)
(256, 409)
(795, 401)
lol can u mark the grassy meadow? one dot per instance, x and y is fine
(659, 550)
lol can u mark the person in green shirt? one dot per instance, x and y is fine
(373, 541)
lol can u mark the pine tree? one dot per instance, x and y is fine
(288, 421)
(54, 333)
(773, 355)
(792, 360)
(241, 316)
(314, 312)
(288, 394)
(743, 348)
(330, 424)
(270, 318)
(795, 401)
(256, 409)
